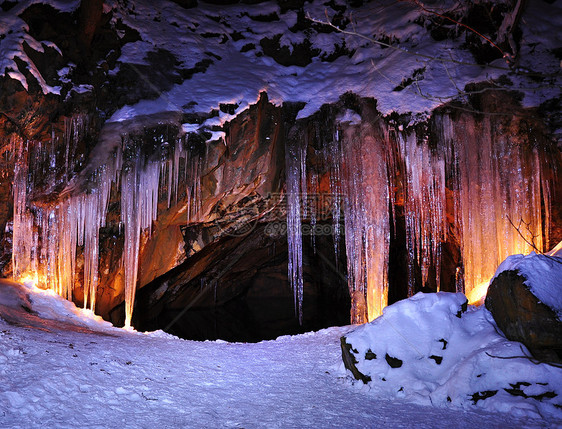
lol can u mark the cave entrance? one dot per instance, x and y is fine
(237, 289)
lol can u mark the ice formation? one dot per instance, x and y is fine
(501, 190)
(424, 207)
(295, 158)
(46, 235)
(497, 189)
(485, 189)
(366, 208)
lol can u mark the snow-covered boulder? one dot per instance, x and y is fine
(434, 349)
(525, 298)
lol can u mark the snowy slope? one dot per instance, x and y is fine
(56, 376)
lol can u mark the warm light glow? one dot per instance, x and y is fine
(29, 279)
(477, 294)
(34, 280)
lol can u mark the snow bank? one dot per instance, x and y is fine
(427, 350)
(543, 274)
(48, 305)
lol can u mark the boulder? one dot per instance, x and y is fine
(522, 317)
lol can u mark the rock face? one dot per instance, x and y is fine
(522, 317)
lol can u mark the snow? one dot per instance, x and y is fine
(543, 274)
(15, 32)
(206, 33)
(449, 358)
(58, 374)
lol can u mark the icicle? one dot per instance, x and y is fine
(193, 179)
(139, 208)
(24, 238)
(46, 237)
(497, 186)
(295, 165)
(313, 207)
(334, 160)
(366, 213)
(178, 153)
(424, 208)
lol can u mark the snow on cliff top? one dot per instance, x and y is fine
(437, 71)
(415, 75)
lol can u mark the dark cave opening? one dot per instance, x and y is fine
(237, 290)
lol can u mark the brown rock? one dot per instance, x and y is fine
(522, 317)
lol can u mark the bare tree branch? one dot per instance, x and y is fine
(532, 241)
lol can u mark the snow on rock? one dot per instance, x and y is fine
(416, 74)
(15, 34)
(231, 53)
(543, 274)
(426, 349)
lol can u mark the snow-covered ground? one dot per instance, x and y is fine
(79, 371)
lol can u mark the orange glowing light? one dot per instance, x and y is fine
(477, 294)
(32, 279)
(29, 279)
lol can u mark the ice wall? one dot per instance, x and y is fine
(47, 234)
(470, 181)
(476, 183)
(424, 206)
(499, 188)
(366, 208)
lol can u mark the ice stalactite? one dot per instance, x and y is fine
(172, 167)
(139, 207)
(496, 181)
(313, 208)
(193, 168)
(24, 258)
(424, 207)
(332, 157)
(93, 216)
(295, 165)
(469, 183)
(367, 200)
(46, 234)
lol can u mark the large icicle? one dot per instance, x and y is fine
(295, 165)
(497, 181)
(424, 208)
(24, 257)
(366, 213)
(139, 207)
(332, 157)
